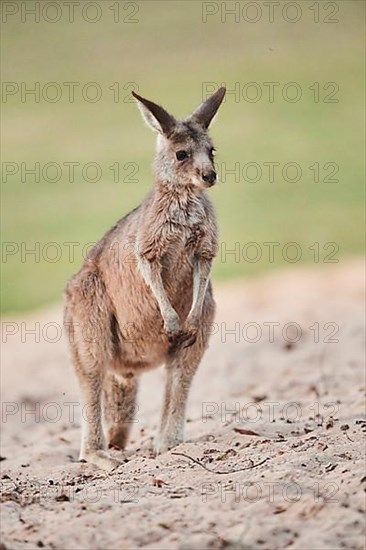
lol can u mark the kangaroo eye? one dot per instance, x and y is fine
(212, 152)
(181, 155)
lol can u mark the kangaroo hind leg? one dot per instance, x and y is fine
(87, 321)
(119, 401)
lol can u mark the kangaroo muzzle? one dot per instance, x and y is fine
(209, 177)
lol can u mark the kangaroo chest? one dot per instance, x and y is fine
(187, 224)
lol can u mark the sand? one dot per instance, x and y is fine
(276, 421)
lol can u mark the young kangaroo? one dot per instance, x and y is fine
(125, 315)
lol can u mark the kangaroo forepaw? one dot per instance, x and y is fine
(183, 339)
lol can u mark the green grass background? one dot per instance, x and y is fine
(169, 53)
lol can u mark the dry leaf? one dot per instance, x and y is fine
(243, 431)
(158, 482)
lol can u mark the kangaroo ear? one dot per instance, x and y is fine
(155, 116)
(208, 109)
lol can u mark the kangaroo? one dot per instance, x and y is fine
(143, 297)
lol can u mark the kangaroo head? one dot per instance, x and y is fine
(185, 153)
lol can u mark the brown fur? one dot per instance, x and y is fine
(143, 297)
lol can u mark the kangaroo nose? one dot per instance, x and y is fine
(210, 177)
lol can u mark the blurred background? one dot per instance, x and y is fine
(290, 154)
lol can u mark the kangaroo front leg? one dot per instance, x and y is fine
(151, 272)
(201, 277)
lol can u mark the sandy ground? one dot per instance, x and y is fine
(277, 428)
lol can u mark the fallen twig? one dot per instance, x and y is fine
(220, 471)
